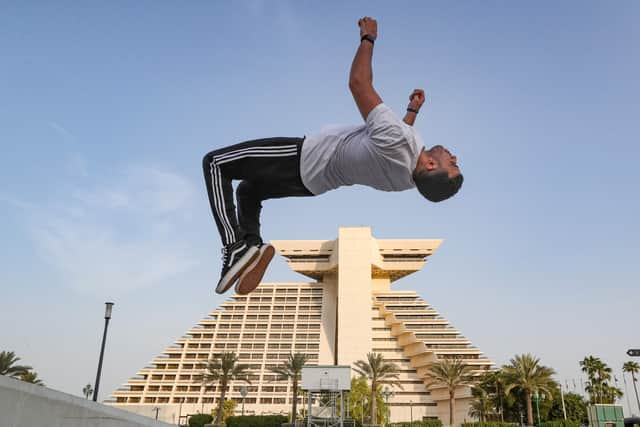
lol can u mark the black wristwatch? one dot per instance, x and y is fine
(368, 38)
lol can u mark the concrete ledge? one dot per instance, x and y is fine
(28, 405)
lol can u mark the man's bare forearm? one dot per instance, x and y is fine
(361, 71)
(410, 118)
(416, 99)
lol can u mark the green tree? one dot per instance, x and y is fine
(292, 369)
(228, 409)
(491, 382)
(358, 398)
(575, 406)
(377, 371)
(8, 367)
(31, 377)
(527, 374)
(481, 406)
(633, 368)
(87, 391)
(599, 385)
(222, 369)
(450, 373)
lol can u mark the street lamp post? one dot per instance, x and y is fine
(107, 317)
(411, 409)
(388, 393)
(386, 397)
(243, 393)
(537, 398)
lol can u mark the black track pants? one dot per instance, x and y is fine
(269, 169)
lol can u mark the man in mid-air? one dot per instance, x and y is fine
(385, 153)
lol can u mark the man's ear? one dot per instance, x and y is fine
(430, 164)
(426, 162)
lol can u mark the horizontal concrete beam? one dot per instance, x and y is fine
(28, 405)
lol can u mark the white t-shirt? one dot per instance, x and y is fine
(381, 154)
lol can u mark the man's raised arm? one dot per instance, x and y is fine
(416, 99)
(361, 76)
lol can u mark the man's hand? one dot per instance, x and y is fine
(368, 26)
(416, 99)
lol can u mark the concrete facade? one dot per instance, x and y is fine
(347, 311)
(29, 405)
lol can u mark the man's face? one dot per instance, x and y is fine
(445, 160)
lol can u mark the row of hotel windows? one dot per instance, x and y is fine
(440, 355)
(243, 356)
(273, 316)
(266, 326)
(196, 377)
(292, 298)
(268, 307)
(248, 400)
(264, 290)
(398, 299)
(224, 336)
(417, 307)
(410, 317)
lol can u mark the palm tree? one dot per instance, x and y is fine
(527, 374)
(87, 391)
(377, 370)
(31, 377)
(292, 369)
(222, 369)
(633, 368)
(481, 406)
(451, 373)
(492, 383)
(8, 367)
(599, 374)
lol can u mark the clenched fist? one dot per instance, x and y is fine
(416, 99)
(368, 26)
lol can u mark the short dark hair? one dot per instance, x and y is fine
(436, 185)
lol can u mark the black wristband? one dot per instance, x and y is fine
(413, 110)
(368, 38)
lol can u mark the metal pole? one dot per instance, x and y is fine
(342, 408)
(564, 410)
(538, 406)
(411, 408)
(309, 409)
(386, 396)
(107, 317)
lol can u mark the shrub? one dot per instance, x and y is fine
(423, 423)
(257, 421)
(560, 423)
(489, 424)
(199, 420)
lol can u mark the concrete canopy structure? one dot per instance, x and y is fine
(348, 311)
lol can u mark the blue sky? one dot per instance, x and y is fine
(108, 108)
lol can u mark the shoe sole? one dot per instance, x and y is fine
(236, 271)
(252, 275)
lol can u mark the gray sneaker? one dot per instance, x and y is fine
(235, 259)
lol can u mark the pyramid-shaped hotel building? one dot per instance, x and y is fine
(346, 311)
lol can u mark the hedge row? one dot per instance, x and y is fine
(424, 423)
(489, 424)
(560, 423)
(257, 421)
